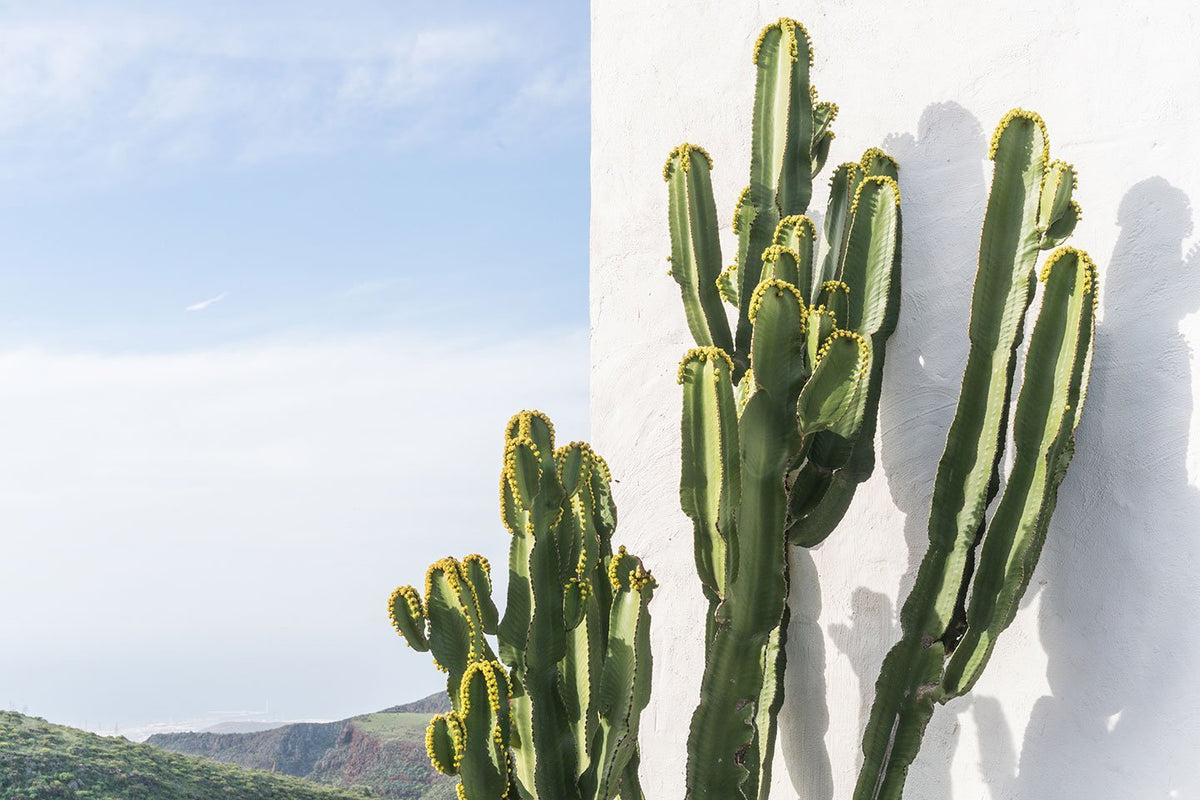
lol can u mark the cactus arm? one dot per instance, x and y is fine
(456, 636)
(727, 284)
(770, 701)
(555, 767)
(444, 742)
(898, 717)
(625, 681)
(798, 235)
(829, 397)
(709, 481)
(479, 572)
(631, 785)
(870, 254)
(815, 522)
(1045, 416)
(967, 474)
(781, 159)
(484, 762)
(580, 669)
(755, 228)
(842, 185)
(695, 247)
(722, 728)
(407, 612)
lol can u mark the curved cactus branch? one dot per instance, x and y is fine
(1030, 194)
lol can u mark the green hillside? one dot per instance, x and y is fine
(40, 761)
(384, 751)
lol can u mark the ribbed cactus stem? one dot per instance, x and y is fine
(775, 423)
(947, 640)
(559, 718)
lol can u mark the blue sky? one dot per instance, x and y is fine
(272, 277)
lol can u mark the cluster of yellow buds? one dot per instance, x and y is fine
(743, 201)
(684, 153)
(788, 28)
(835, 286)
(703, 354)
(873, 154)
(454, 731)
(801, 224)
(779, 287)
(881, 180)
(412, 605)
(1015, 114)
(864, 349)
(1090, 273)
(728, 277)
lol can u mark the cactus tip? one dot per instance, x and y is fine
(854, 336)
(786, 27)
(779, 287)
(684, 153)
(1020, 113)
(714, 354)
(873, 153)
(728, 275)
(1091, 274)
(801, 223)
(880, 180)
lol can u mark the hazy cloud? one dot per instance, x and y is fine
(220, 529)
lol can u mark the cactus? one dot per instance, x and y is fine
(557, 714)
(779, 410)
(946, 639)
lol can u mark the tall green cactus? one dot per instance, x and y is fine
(956, 609)
(779, 413)
(561, 722)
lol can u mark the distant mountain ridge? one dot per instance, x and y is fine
(43, 761)
(384, 751)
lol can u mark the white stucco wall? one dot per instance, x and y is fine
(1094, 691)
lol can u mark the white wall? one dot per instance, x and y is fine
(1092, 693)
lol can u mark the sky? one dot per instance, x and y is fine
(272, 278)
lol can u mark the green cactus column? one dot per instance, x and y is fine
(946, 638)
(779, 418)
(559, 717)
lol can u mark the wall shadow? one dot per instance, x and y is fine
(944, 190)
(1120, 611)
(804, 718)
(944, 184)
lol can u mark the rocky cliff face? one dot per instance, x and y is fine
(384, 751)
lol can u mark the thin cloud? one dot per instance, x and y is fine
(203, 304)
(261, 501)
(109, 94)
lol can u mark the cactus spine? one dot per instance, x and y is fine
(956, 609)
(558, 719)
(779, 412)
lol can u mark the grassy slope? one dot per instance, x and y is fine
(40, 761)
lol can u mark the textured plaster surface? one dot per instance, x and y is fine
(1092, 692)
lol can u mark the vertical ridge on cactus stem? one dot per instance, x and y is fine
(710, 479)
(1043, 434)
(773, 429)
(946, 641)
(563, 720)
(695, 246)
